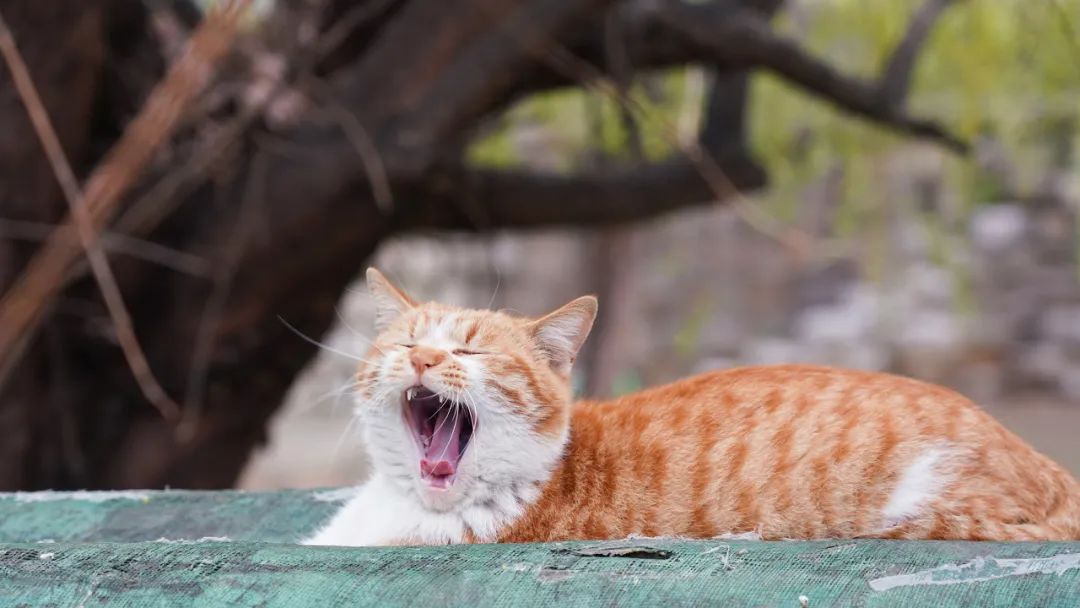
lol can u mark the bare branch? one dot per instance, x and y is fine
(897, 77)
(731, 40)
(22, 308)
(364, 146)
(344, 27)
(148, 251)
(214, 308)
(186, 12)
(745, 39)
(99, 263)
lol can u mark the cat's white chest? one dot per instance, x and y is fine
(380, 515)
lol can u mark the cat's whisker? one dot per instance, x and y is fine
(470, 402)
(320, 344)
(498, 281)
(443, 421)
(345, 433)
(435, 415)
(370, 342)
(453, 430)
(337, 392)
(387, 393)
(348, 388)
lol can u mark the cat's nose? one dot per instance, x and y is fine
(423, 357)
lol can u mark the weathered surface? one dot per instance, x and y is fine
(43, 563)
(133, 516)
(695, 573)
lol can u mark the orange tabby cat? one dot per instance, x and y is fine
(474, 438)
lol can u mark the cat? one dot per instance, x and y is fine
(473, 437)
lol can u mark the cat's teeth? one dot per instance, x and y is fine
(409, 393)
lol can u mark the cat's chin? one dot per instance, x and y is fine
(438, 499)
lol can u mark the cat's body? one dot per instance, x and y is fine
(786, 452)
(798, 452)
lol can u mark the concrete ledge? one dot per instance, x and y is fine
(167, 548)
(129, 516)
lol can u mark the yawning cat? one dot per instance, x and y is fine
(473, 437)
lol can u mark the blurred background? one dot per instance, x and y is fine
(887, 185)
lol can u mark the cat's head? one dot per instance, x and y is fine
(460, 405)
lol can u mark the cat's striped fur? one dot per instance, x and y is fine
(785, 451)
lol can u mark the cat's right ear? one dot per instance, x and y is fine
(390, 302)
(560, 334)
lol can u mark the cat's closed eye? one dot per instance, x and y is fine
(465, 351)
(405, 344)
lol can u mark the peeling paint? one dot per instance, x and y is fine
(205, 539)
(639, 552)
(84, 495)
(752, 535)
(551, 574)
(979, 570)
(725, 558)
(336, 495)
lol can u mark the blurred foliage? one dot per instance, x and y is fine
(573, 125)
(1003, 68)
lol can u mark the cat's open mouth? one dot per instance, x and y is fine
(442, 429)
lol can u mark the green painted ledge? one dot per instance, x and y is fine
(170, 549)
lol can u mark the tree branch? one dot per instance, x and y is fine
(492, 200)
(22, 307)
(18, 305)
(745, 39)
(897, 76)
(730, 39)
(413, 98)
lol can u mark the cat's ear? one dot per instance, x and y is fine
(560, 334)
(390, 302)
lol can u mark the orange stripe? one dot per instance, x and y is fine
(701, 523)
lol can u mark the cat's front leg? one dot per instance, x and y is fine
(382, 514)
(371, 518)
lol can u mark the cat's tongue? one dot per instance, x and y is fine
(441, 456)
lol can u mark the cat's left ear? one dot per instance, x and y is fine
(560, 334)
(390, 302)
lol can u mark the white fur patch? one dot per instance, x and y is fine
(923, 480)
(380, 514)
